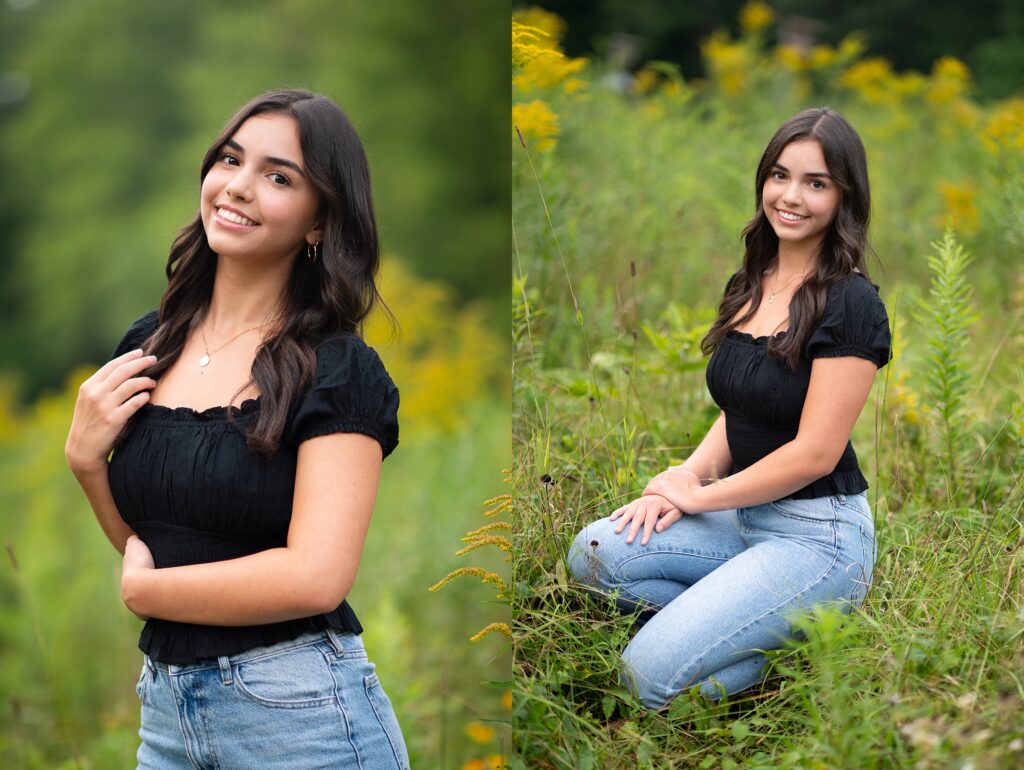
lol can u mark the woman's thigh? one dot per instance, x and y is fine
(653, 574)
(302, 705)
(802, 553)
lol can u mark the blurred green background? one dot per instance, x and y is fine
(106, 107)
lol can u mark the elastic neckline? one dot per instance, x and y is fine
(188, 413)
(762, 340)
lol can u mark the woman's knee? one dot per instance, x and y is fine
(589, 554)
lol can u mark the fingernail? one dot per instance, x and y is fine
(136, 351)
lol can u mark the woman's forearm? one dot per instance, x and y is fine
(711, 459)
(789, 468)
(96, 485)
(266, 587)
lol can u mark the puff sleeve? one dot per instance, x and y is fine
(353, 393)
(137, 333)
(855, 323)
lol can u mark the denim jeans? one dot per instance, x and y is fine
(725, 585)
(309, 702)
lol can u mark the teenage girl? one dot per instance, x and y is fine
(768, 515)
(248, 421)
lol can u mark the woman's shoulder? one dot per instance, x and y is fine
(855, 291)
(347, 356)
(139, 331)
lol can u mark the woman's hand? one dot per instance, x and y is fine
(677, 485)
(137, 560)
(105, 403)
(645, 511)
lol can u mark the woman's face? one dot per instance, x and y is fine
(257, 203)
(799, 197)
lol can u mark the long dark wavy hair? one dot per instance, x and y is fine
(332, 295)
(842, 249)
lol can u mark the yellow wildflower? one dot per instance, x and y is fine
(645, 80)
(791, 57)
(536, 121)
(506, 699)
(529, 44)
(478, 732)
(950, 80)
(872, 79)
(727, 61)
(851, 46)
(552, 24)
(822, 56)
(545, 71)
(756, 16)
(474, 764)
(1005, 128)
(495, 762)
(960, 204)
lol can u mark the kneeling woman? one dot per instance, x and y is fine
(768, 516)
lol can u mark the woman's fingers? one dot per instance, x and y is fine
(669, 519)
(650, 519)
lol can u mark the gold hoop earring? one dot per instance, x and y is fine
(311, 251)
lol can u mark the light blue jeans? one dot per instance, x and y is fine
(309, 702)
(725, 585)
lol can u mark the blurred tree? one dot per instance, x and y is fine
(102, 152)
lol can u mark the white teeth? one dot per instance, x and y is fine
(791, 217)
(231, 216)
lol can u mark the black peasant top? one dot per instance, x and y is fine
(762, 399)
(187, 484)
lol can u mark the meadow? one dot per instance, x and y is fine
(629, 197)
(68, 655)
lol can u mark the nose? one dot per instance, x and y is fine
(791, 194)
(239, 187)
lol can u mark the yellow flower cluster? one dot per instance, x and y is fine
(443, 356)
(729, 63)
(960, 204)
(536, 121)
(820, 57)
(492, 762)
(755, 16)
(1004, 131)
(539, 63)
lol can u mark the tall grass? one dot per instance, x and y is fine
(644, 196)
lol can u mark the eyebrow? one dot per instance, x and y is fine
(809, 173)
(269, 158)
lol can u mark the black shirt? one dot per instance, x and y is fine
(187, 484)
(762, 399)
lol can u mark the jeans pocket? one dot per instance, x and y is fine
(862, 580)
(381, 705)
(142, 685)
(296, 677)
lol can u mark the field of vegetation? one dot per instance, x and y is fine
(629, 196)
(68, 655)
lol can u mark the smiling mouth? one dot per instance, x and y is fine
(235, 218)
(789, 217)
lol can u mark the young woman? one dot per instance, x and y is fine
(768, 515)
(248, 422)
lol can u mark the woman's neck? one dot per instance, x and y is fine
(244, 298)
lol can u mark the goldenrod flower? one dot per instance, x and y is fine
(950, 80)
(960, 205)
(756, 16)
(506, 699)
(536, 121)
(551, 24)
(1005, 129)
(490, 629)
(478, 732)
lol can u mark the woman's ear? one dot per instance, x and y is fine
(316, 234)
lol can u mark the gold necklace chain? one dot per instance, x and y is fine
(205, 359)
(771, 297)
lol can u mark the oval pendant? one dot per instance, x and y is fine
(771, 299)
(204, 360)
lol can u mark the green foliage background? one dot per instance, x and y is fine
(628, 204)
(106, 108)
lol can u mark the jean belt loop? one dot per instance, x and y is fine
(842, 497)
(150, 664)
(225, 669)
(335, 640)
